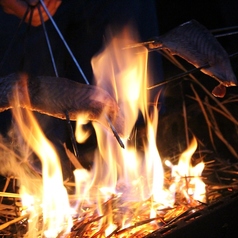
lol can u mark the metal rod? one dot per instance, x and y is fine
(72, 136)
(224, 29)
(178, 76)
(146, 43)
(63, 40)
(115, 133)
(226, 34)
(48, 41)
(79, 68)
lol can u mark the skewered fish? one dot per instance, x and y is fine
(194, 43)
(58, 96)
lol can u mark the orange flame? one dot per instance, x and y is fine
(135, 173)
(185, 175)
(51, 196)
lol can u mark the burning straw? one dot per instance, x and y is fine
(88, 220)
(127, 193)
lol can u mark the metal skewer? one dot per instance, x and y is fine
(79, 68)
(153, 45)
(48, 41)
(178, 76)
(72, 136)
(64, 41)
(147, 43)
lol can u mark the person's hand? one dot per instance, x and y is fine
(19, 7)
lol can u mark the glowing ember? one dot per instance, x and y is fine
(124, 194)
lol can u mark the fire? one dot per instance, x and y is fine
(50, 199)
(187, 178)
(130, 178)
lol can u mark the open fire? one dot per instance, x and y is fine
(128, 192)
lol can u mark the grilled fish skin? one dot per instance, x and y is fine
(195, 43)
(56, 96)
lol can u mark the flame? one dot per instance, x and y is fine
(110, 229)
(51, 197)
(81, 134)
(133, 174)
(124, 74)
(188, 178)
